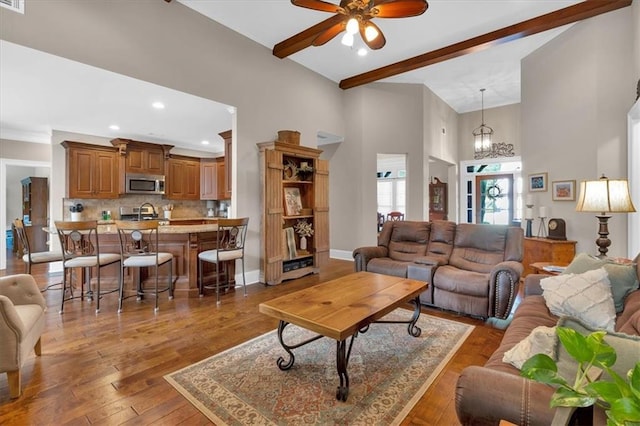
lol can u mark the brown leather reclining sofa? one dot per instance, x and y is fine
(487, 394)
(471, 269)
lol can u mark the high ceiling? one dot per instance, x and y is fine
(41, 92)
(457, 81)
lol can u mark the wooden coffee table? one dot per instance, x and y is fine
(342, 308)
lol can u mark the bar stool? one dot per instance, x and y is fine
(81, 249)
(230, 238)
(139, 249)
(33, 258)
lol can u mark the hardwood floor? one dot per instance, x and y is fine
(108, 368)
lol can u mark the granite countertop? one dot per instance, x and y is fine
(110, 228)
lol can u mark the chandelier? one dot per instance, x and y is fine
(482, 135)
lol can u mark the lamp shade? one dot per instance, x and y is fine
(210, 204)
(606, 196)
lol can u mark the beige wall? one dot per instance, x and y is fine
(505, 122)
(195, 55)
(24, 151)
(576, 92)
(635, 11)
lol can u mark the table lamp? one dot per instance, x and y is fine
(604, 196)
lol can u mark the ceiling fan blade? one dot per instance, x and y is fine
(329, 34)
(398, 9)
(375, 43)
(320, 5)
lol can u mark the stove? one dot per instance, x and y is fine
(133, 213)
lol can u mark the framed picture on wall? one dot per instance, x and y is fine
(538, 182)
(564, 190)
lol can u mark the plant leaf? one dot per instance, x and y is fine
(575, 344)
(625, 411)
(566, 397)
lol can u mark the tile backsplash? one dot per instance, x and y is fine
(92, 208)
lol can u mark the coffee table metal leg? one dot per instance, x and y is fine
(341, 361)
(282, 365)
(413, 329)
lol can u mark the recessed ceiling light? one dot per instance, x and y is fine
(158, 105)
(205, 142)
(362, 52)
(114, 127)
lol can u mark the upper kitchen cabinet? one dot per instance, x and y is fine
(92, 170)
(227, 163)
(182, 178)
(142, 157)
(212, 179)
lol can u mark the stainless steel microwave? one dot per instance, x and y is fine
(144, 184)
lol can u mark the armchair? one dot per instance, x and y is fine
(22, 322)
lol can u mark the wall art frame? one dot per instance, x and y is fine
(563, 190)
(538, 182)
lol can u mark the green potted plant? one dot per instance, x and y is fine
(619, 396)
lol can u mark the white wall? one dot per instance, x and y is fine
(195, 55)
(576, 92)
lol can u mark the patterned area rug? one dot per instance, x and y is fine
(388, 371)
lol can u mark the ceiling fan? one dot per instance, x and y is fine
(355, 16)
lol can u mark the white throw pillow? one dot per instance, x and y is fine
(584, 296)
(541, 340)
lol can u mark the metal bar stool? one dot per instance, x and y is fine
(81, 249)
(33, 258)
(139, 249)
(230, 239)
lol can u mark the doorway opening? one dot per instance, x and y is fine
(391, 184)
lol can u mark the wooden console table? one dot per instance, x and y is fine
(556, 252)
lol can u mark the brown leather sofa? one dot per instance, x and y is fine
(472, 269)
(493, 392)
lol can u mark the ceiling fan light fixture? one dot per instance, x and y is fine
(347, 39)
(370, 32)
(362, 52)
(352, 26)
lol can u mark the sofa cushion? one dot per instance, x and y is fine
(585, 296)
(408, 240)
(458, 281)
(623, 277)
(478, 248)
(441, 240)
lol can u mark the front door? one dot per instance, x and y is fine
(494, 199)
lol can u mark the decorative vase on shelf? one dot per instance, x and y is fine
(76, 216)
(303, 243)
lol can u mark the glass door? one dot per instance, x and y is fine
(494, 201)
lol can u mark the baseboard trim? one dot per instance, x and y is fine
(341, 254)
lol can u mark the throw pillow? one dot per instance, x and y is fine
(585, 296)
(541, 340)
(623, 277)
(627, 349)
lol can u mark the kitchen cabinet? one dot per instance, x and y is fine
(290, 196)
(227, 163)
(183, 178)
(92, 170)
(212, 179)
(556, 252)
(144, 161)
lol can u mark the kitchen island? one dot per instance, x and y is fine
(184, 238)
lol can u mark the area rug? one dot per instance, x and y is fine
(388, 371)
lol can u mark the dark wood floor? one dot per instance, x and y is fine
(108, 368)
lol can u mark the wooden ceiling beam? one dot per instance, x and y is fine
(567, 15)
(305, 38)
